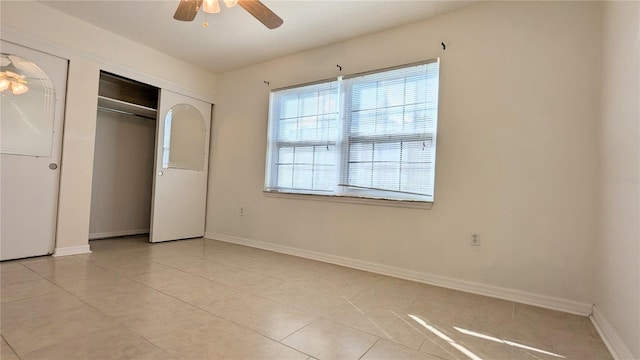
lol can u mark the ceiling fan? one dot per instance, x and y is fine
(187, 10)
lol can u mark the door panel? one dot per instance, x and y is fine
(31, 136)
(182, 159)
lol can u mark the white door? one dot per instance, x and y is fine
(182, 159)
(33, 88)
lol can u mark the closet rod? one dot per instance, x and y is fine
(125, 113)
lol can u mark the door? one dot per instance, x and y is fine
(33, 88)
(182, 159)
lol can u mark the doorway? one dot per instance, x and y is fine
(123, 158)
(151, 162)
(33, 90)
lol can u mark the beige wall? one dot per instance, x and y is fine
(617, 290)
(517, 150)
(91, 49)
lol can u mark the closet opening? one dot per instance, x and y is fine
(124, 157)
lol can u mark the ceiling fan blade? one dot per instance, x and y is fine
(261, 12)
(187, 10)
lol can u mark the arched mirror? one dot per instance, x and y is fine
(184, 138)
(28, 108)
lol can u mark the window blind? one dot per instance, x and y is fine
(390, 127)
(303, 138)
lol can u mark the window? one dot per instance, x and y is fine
(370, 135)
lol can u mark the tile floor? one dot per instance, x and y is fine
(205, 299)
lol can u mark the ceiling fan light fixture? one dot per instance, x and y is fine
(18, 88)
(4, 84)
(230, 3)
(211, 6)
(15, 82)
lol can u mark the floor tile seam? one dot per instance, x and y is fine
(189, 273)
(247, 331)
(291, 333)
(10, 347)
(84, 300)
(13, 262)
(32, 271)
(74, 296)
(81, 337)
(103, 267)
(24, 267)
(245, 269)
(213, 281)
(148, 341)
(47, 293)
(415, 328)
(85, 334)
(283, 344)
(245, 316)
(302, 328)
(370, 347)
(196, 307)
(237, 322)
(439, 347)
(193, 306)
(350, 326)
(3, 289)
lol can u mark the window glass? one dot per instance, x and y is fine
(28, 108)
(184, 138)
(369, 135)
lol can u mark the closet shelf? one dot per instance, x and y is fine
(124, 107)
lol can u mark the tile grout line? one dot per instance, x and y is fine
(370, 347)
(10, 347)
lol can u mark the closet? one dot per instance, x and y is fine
(124, 156)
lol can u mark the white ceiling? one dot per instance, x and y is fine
(235, 39)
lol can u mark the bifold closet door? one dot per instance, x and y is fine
(181, 166)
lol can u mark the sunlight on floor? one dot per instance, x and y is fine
(507, 342)
(444, 337)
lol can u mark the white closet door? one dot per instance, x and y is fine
(30, 149)
(182, 159)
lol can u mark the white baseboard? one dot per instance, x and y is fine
(549, 302)
(110, 234)
(72, 250)
(616, 346)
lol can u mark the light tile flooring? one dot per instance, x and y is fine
(205, 299)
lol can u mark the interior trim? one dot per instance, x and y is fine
(72, 250)
(524, 297)
(110, 234)
(616, 346)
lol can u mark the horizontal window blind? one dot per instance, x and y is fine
(390, 130)
(371, 135)
(304, 124)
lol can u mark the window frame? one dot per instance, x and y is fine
(342, 191)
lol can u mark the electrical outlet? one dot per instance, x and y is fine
(241, 211)
(475, 239)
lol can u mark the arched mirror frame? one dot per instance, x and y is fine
(184, 138)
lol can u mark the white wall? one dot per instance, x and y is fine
(517, 150)
(617, 290)
(91, 49)
(122, 175)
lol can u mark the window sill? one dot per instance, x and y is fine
(424, 205)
